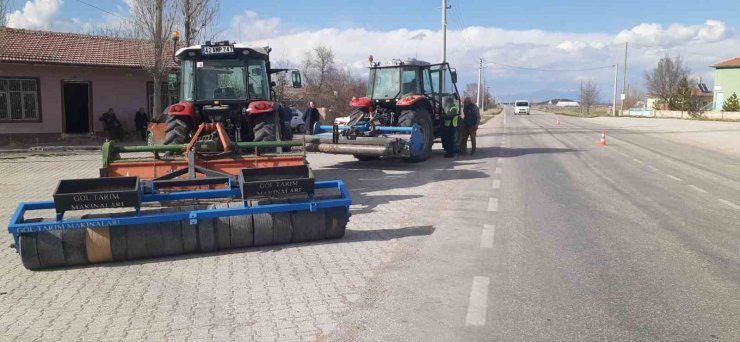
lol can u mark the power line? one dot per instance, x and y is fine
(102, 9)
(549, 70)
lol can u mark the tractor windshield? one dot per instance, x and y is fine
(227, 79)
(386, 83)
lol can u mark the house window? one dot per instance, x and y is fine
(167, 97)
(19, 99)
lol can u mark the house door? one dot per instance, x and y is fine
(76, 104)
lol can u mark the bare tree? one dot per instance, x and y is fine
(195, 18)
(589, 95)
(154, 20)
(663, 80)
(318, 64)
(633, 98)
(3, 12)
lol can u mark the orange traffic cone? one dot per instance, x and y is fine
(603, 138)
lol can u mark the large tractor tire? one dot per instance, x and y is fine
(421, 117)
(178, 130)
(264, 129)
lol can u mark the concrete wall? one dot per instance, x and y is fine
(124, 90)
(714, 115)
(726, 82)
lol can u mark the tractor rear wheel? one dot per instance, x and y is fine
(178, 130)
(419, 116)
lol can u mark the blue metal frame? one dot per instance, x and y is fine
(17, 226)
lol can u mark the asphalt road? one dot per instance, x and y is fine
(564, 240)
(542, 235)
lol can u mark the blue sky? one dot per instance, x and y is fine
(559, 35)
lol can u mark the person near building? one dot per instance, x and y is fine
(471, 120)
(111, 125)
(141, 119)
(451, 118)
(311, 116)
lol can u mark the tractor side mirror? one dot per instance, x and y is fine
(296, 78)
(454, 75)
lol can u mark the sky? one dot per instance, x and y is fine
(532, 49)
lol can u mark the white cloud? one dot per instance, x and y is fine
(250, 26)
(675, 34)
(36, 14)
(699, 45)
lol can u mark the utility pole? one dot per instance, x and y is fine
(581, 104)
(624, 80)
(444, 30)
(614, 100)
(480, 73)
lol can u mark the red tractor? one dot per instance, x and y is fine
(401, 115)
(222, 83)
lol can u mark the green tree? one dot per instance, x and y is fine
(732, 104)
(682, 100)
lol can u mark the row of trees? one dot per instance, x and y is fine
(669, 81)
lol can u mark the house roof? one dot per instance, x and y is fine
(45, 47)
(732, 63)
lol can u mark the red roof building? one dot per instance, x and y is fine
(53, 83)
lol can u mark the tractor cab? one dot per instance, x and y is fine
(224, 83)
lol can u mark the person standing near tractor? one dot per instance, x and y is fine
(112, 125)
(141, 119)
(451, 118)
(311, 116)
(471, 120)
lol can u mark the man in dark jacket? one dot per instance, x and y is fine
(471, 120)
(141, 120)
(285, 116)
(112, 125)
(311, 116)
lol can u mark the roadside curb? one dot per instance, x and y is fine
(52, 149)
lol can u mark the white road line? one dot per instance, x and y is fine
(501, 160)
(496, 183)
(732, 205)
(697, 188)
(499, 170)
(493, 204)
(674, 178)
(478, 302)
(653, 168)
(486, 236)
(624, 154)
(637, 160)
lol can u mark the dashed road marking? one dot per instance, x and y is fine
(674, 178)
(493, 204)
(496, 183)
(478, 302)
(624, 154)
(730, 204)
(501, 160)
(653, 168)
(697, 188)
(486, 236)
(499, 170)
(637, 160)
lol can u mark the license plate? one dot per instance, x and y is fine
(217, 50)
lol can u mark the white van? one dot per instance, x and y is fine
(521, 107)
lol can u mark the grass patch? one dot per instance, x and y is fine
(490, 114)
(576, 112)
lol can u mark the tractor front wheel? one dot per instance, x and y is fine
(419, 116)
(178, 130)
(264, 129)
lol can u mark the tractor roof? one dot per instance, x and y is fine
(398, 62)
(264, 51)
